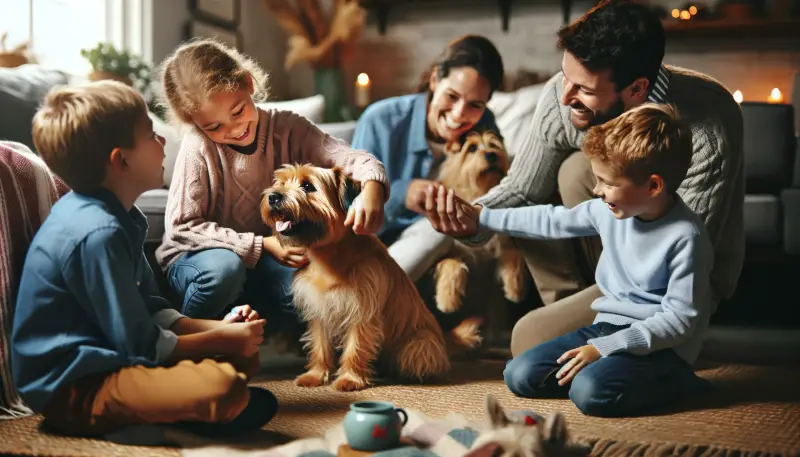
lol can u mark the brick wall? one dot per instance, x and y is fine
(416, 35)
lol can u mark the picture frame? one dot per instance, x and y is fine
(199, 28)
(225, 13)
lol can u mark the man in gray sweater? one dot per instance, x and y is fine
(612, 62)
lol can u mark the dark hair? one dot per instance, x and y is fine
(472, 51)
(624, 36)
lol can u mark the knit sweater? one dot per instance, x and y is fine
(714, 184)
(215, 192)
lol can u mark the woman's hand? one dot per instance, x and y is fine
(450, 214)
(415, 196)
(578, 359)
(293, 257)
(366, 212)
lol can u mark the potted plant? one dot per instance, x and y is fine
(110, 63)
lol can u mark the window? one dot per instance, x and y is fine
(57, 30)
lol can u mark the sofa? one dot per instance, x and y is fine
(772, 178)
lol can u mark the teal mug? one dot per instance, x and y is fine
(374, 425)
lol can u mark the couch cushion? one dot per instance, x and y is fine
(791, 220)
(513, 113)
(342, 130)
(762, 219)
(769, 146)
(153, 204)
(22, 89)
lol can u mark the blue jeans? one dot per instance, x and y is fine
(621, 384)
(213, 280)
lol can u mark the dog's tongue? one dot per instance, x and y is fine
(282, 226)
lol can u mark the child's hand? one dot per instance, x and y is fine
(366, 212)
(241, 338)
(293, 257)
(578, 359)
(242, 313)
(449, 213)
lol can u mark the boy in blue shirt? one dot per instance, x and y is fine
(654, 272)
(94, 347)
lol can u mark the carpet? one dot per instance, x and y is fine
(753, 411)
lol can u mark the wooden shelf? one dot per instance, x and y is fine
(382, 8)
(721, 28)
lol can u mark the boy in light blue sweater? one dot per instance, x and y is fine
(654, 273)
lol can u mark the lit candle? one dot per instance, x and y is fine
(676, 13)
(685, 15)
(775, 96)
(362, 90)
(738, 96)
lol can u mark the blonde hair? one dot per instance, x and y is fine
(198, 69)
(646, 140)
(77, 127)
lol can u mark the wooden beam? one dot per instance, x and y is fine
(505, 12)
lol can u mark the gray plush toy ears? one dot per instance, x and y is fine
(495, 412)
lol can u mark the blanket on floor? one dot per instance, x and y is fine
(27, 191)
(449, 437)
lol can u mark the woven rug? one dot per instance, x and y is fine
(753, 411)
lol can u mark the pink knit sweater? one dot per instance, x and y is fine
(215, 192)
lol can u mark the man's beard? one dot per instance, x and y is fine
(601, 117)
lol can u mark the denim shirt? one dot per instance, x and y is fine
(394, 131)
(88, 301)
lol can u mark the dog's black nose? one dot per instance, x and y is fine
(274, 198)
(491, 157)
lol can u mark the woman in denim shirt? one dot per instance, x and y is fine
(408, 134)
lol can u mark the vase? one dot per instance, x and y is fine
(99, 75)
(329, 82)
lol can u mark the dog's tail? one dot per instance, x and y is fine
(465, 336)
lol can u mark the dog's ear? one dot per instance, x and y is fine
(495, 412)
(347, 188)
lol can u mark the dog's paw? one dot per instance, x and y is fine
(310, 379)
(349, 383)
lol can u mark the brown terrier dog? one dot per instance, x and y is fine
(352, 293)
(473, 165)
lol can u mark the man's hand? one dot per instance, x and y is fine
(578, 359)
(293, 257)
(240, 338)
(415, 197)
(366, 212)
(450, 214)
(242, 313)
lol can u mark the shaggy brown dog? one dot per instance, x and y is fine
(352, 293)
(472, 166)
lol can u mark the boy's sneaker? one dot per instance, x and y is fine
(261, 408)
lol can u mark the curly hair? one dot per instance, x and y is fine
(624, 36)
(198, 69)
(470, 51)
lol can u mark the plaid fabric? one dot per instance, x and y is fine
(27, 191)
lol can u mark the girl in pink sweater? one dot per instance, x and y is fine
(216, 251)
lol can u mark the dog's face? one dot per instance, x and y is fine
(479, 160)
(307, 205)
